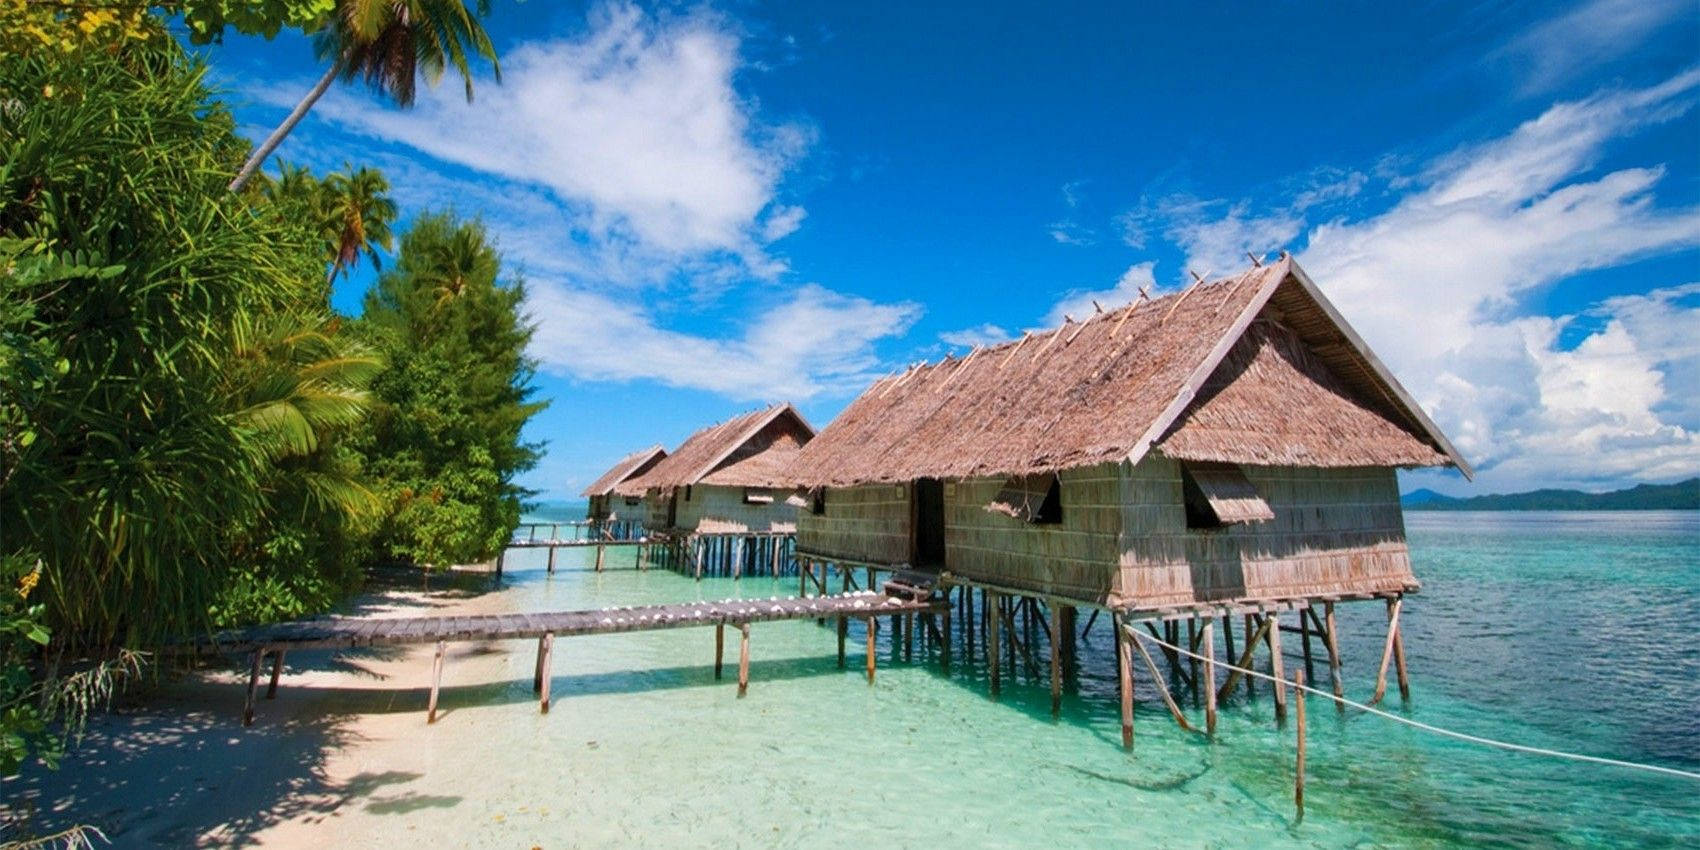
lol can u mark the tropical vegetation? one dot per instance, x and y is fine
(191, 437)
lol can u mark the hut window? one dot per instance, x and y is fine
(687, 492)
(1031, 498)
(817, 501)
(758, 496)
(631, 500)
(1219, 494)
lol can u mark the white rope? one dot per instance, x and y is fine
(1462, 736)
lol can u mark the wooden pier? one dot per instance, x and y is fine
(358, 632)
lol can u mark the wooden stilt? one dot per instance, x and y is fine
(870, 650)
(1191, 661)
(1387, 650)
(548, 650)
(743, 658)
(551, 560)
(277, 670)
(1276, 666)
(994, 648)
(600, 551)
(1056, 666)
(436, 683)
(719, 647)
(1250, 681)
(1209, 687)
(1299, 717)
(1251, 639)
(1228, 636)
(1334, 656)
(1304, 639)
(908, 636)
(537, 675)
(253, 686)
(1399, 664)
(944, 640)
(1124, 672)
(1157, 676)
(1067, 614)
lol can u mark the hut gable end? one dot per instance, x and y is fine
(752, 450)
(631, 465)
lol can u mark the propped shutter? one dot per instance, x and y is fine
(798, 499)
(1029, 498)
(1229, 495)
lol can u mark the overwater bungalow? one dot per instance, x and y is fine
(1227, 450)
(614, 516)
(722, 499)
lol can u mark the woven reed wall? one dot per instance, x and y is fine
(1075, 558)
(715, 510)
(866, 524)
(1335, 531)
(618, 511)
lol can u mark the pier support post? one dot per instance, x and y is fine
(1276, 667)
(1334, 656)
(537, 674)
(1387, 650)
(743, 658)
(719, 647)
(253, 685)
(1124, 673)
(944, 636)
(1304, 639)
(1056, 663)
(994, 644)
(601, 550)
(1209, 642)
(1299, 765)
(277, 670)
(1399, 664)
(436, 683)
(870, 650)
(1157, 677)
(548, 650)
(551, 560)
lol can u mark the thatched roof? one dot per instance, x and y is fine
(1189, 374)
(636, 463)
(752, 450)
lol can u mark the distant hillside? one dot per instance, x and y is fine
(1683, 495)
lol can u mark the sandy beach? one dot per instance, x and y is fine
(175, 767)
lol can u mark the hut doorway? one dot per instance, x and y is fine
(929, 522)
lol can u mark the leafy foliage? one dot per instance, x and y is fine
(444, 445)
(37, 25)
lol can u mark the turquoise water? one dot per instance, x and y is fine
(1572, 631)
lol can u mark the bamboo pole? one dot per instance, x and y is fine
(994, 647)
(1056, 666)
(277, 670)
(1209, 677)
(1304, 638)
(719, 647)
(600, 550)
(1276, 667)
(1162, 686)
(551, 560)
(1251, 639)
(1124, 672)
(548, 650)
(1299, 716)
(743, 658)
(870, 650)
(537, 675)
(1334, 657)
(1398, 664)
(1387, 650)
(253, 685)
(436, 683)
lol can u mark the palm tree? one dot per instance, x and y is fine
(389, 43)
(358, 212)
(455, 262)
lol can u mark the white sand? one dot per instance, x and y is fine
(178, 769)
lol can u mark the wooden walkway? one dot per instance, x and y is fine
(358, 632)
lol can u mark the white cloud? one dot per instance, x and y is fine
(817, 342)
(1080, 303)
(986, 334)
(1433, 283)
(1592, 33)
(1217, 235)
(635, 127)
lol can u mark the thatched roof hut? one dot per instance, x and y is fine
(601, 491)
(1235, 440)
(732, 477)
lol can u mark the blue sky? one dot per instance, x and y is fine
(717, 206)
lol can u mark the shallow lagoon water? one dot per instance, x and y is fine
(1571, 631)
(1560, 630)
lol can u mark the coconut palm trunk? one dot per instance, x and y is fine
(276, 138)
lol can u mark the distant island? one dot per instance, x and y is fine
(1683, 495)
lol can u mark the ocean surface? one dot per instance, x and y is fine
(1572, 631)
